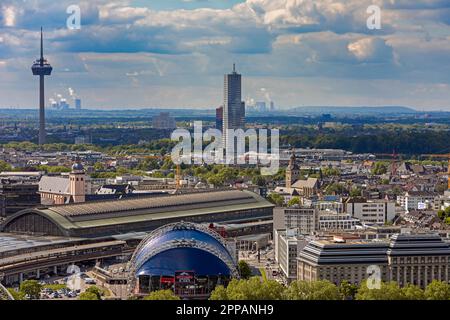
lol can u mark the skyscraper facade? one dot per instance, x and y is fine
(219, 118)
(78, 104)
(233, 107)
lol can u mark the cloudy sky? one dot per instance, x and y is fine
(173, 53)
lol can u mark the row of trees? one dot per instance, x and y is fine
(377, 140)
(255, 289)
(28, 288)
(92, 293)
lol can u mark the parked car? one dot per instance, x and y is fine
(89, 281)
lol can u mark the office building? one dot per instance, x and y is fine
(406, 258)
(333, 221)
(16, 196)
(302, 219)
(219, 118)
(288, 244)
(370, 211)
(233, 107)
(164, 121)
(78, 104)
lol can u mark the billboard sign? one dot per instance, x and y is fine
(185, 277)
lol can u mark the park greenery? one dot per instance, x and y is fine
(29, 289)
(444, 215)
(257, 289)
(162, 295)
(88, 296)
(254, 288)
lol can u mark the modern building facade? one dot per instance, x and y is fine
(219, 118)
(370, 211)
(233, 107)
(309, 220)
(304, 220)
(288, 244)
(334, 221)
(17, 196)
(406, 258)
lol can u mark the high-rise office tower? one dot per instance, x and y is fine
(78, 104)
(41, 68)
(233, 107)
(219, 118)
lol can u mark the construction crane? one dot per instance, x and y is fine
(446, 156)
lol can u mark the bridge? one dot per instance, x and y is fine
(52, 258)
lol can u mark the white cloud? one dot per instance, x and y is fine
(9, 16)
(123, 45)
(371, 50)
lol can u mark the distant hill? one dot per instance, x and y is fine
(353, 110)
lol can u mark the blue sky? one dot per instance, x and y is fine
(173, 53)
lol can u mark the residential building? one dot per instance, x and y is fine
(417, 200)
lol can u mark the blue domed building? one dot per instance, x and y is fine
(190, 259)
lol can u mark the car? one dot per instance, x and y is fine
(89, 281)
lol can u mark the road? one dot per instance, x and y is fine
(266, 263)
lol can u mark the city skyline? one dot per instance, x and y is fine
(172, 54)
(225, 150)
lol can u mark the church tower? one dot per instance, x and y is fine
(292, 171)
(77, 179)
